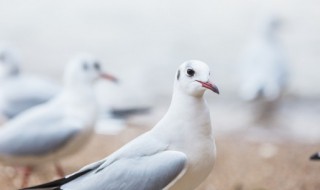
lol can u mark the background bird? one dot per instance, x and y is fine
(57, 128)
(161, 158)
(114, 120)
(20, 91)
(315, 156)
(263, 70)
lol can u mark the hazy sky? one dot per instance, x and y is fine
(144, 41)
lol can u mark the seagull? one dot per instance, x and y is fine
(177, 153)
(264, 71)
(315, 157)
(58, 128)
(20, 91)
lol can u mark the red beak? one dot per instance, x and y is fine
(109, 77)
(209, 86)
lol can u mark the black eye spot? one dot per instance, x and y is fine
(97, 66)
(178, 75)
(190, 72)
(85, 66)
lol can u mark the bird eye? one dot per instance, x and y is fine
(85, 66)
(97, 66)
(190, 72)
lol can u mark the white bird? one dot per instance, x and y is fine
(263, 66)
(315, 156)
(57, 128)
(20, 91)
(178, 153)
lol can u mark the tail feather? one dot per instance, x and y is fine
(55, 185)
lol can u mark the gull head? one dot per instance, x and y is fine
(193, 78)
(270, 26)
(9, 64)
(86, 69)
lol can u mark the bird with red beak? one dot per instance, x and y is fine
(58, 128)
(193, 77)
(178, 153)
(85, 69)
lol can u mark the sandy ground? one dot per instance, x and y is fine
(241, 164)
(273, 157)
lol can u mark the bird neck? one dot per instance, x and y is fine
(79, 102)
(79, 93)
(183, 102)
(268, 34)
(187, 115)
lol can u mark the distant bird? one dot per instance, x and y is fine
(315, 156)
(178, 153)
(125, 113)
(57, 128)
(18, 91)
(264, 71)
(114, 120)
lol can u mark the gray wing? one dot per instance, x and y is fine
(152, 172)
(24, 92)
(15, 107)
(127, 112)
(315, 156)
(36, 133)
(33, 142)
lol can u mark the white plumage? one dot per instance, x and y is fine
(59, 127)
(20, 91)
(263, 67)
(178, 153)
(264, 71)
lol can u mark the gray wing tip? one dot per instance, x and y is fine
(315, 157)
(125, 113)
(56, 185)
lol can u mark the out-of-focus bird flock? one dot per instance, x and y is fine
(267, 112)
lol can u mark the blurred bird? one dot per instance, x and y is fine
(57, 128)
(114, 120)
(315, 156)
(178, 153)
(19, 91)
(264, 72)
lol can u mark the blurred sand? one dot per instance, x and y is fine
(142, 42)
(275, 157)
(240, 164)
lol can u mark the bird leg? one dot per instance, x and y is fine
(26, 172)
(59, 169)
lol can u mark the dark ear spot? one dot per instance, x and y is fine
(178, 75)
(97, 66)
